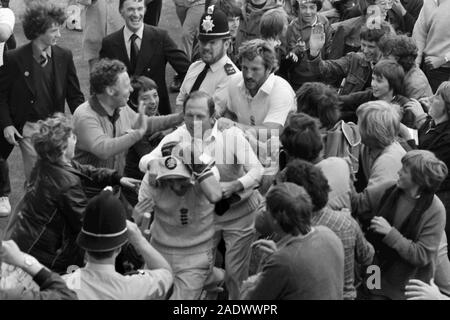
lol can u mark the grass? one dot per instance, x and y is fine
(72, 40)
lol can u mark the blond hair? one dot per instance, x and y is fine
(444, 91)
(379, 123)
(52, 138)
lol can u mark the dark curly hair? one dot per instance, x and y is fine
(39, 16)
(401, 47)
(105, 74)
(319, 101)
(301, 137)
(296, 6)
(311, 178)
(52, 138)
(375, 34)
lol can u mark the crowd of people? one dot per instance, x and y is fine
(305, 157)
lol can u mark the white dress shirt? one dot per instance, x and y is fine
(127, 33)
(215, 82)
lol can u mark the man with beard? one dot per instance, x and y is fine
(259, 99)
(212, 72)
(259, 102)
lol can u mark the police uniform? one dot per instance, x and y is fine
(104, 230)
(213, 25)
(102, 282)
(215, 82)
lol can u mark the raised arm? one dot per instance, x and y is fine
(92, 138)
(52, 286)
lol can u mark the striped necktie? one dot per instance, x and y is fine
(43, 60)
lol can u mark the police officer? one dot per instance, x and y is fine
(105, 230)
(212, 72)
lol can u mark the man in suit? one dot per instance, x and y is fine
(144, 49)
(35, 81)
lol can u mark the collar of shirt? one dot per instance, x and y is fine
(127, 33)
(287, 239)
(373, 154)
(437, 128)
(363, 62)
(109, 268)
(441, 127)
(37, 52)
(206, 140)
(303, 25)
(219, 64)
(284, 241)
(266, 87)
(213, 136)
(100, 110)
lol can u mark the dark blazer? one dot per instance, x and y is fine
(157, 48)
(17, 91)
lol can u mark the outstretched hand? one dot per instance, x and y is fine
(141, 124)
(317, 39)
(11, 254)
(130, 183)
(140, 208)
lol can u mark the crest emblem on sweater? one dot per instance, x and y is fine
(207, 24)
(170, 163)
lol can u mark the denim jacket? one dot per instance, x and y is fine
(352, 66)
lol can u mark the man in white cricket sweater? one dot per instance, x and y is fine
(240, 173)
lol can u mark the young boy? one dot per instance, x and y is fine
(147, 94)
(299, 32)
